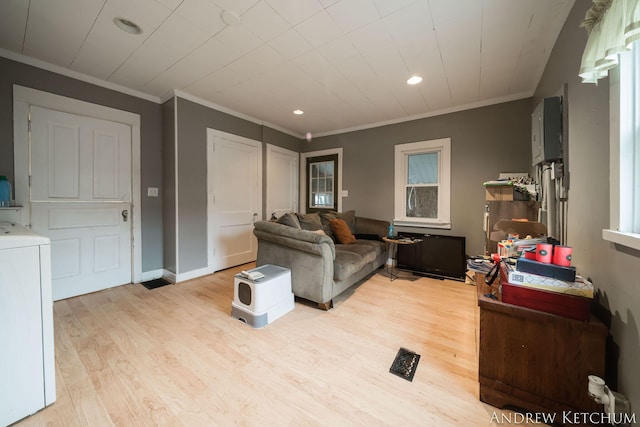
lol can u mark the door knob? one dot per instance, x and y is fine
(125, 215)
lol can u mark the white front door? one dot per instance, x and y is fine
(81, 199)
(234, 187)
(282, 181)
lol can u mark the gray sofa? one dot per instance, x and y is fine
(321, 268)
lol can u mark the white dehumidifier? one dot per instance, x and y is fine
(259, 301)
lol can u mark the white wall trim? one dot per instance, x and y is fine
(23, 98)
(193, 274)
(152, 275)
(175, 183)
(169, 275)
(303, 171)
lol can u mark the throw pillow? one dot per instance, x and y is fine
(341, 231)
(290, 220)
(349, 217)
(310, 221)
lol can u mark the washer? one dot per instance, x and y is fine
(27, 360)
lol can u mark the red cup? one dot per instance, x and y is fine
(562, 255)
(544, 252)
(530, 254)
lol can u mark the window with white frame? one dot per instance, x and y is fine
(625, 152)
(422, 184)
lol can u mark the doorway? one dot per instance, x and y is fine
(75, 176)
(234, 198)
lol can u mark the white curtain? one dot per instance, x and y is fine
(613, 26)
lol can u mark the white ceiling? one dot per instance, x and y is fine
(343, 62)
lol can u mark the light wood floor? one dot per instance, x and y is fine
(174, 356)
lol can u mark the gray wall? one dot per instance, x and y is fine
(484, 142)
(614, 270)
(12, 72)
(192, 122)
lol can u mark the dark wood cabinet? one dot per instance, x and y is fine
(537, 361)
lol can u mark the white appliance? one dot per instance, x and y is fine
(262, 295)
(27, 361)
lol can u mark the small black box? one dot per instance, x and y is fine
(567, 274)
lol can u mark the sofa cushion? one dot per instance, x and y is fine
(310, 221)
(347, 262)
(289, 219)
(341, 231)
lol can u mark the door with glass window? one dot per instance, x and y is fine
(322, 183)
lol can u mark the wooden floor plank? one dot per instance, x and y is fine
(174, 356)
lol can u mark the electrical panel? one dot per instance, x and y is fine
(546, 131)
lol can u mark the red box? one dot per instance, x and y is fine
(572, 306)
(566, 305)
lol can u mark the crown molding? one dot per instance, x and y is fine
(76, 75)
(190, 97)
(434, 113)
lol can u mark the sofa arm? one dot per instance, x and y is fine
(309, 256)
(371, 226)
(295, 238)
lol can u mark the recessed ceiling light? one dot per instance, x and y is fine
(414, 80)
(128, 26)
(298, 112)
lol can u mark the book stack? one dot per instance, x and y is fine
(550, 288)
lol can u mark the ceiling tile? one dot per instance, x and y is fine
(290, 44)
(240, 39)
(327, 3)
(238, 6)
(257, 61)
(371, 37)
(264, 22)
(215, 82)
(297, 11)
(315, 65)
(203, 14)
(387, 7)
(409, 24)
(170, 4)
(70, 21)
(106, 47)
(319, 29)
(148, 14)
(13, 21)
(338, 49)
(353, 14)
(445, 10)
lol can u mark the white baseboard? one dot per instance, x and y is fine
(192, 274)
(169, 275)
(151, 275)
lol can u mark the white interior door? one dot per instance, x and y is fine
(81, 199)
(234, 186)
(282, 180)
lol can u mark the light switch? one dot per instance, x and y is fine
(345, 193)
(152, 191)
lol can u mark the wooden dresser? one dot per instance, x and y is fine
(534, 360)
